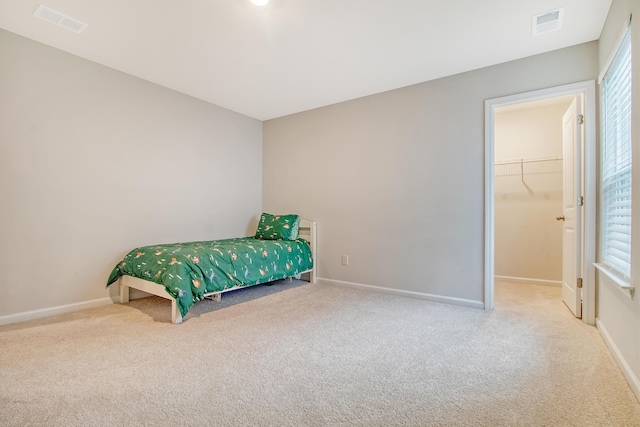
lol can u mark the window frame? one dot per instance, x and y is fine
(616, 143)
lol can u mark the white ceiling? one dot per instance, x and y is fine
(295, 55)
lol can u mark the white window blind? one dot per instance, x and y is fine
(616, 161)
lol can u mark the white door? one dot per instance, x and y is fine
(572, 211)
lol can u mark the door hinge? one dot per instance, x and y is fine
(579, 283)
(581, 200)
(580, 119)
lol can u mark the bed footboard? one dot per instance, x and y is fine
(127, 282)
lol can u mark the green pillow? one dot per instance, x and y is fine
(278, 227)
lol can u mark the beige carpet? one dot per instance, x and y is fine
(297, 354)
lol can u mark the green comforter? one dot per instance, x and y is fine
(190, 270)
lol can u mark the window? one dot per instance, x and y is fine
(616, 160)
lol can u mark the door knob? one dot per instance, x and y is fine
(560, 218)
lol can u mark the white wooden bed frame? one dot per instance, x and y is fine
(307, 232)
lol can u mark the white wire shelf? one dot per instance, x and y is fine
(529, 165)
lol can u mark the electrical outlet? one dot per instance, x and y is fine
(345, 259)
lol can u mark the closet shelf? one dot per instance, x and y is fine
(528, 160)
(530, 165)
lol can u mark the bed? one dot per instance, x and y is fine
(186, 273)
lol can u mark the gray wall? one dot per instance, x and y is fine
(618, 316)
(95, 162)
(395, 180)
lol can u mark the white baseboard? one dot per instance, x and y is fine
(52, 311)
(631, 377)
(410, 294)
(529, 281)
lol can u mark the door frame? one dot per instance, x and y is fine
(588, 91)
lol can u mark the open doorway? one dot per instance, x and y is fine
(528, 169)
(525, 180)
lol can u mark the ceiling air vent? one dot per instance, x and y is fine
(547, 21)
(60, 19)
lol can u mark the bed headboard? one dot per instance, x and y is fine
(308, 232)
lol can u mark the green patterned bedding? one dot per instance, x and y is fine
(190, 270)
